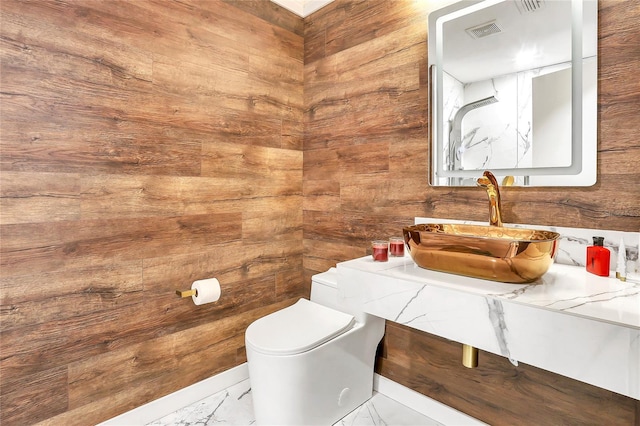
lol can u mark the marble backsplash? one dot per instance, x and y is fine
(574, 242)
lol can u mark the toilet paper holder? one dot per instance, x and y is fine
(187, 293)
(202, 291)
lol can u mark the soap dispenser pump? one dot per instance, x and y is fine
(598, 258)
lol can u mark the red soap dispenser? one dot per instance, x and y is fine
(598, 257)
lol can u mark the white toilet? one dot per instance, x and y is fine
(312, 363)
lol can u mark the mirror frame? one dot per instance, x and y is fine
(582, 171)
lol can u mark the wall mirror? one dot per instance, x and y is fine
(513, 89)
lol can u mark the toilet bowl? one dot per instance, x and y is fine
(312, 363)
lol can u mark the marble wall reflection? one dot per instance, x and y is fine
(500, 135)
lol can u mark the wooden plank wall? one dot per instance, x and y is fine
(365, 176)
(144, 145)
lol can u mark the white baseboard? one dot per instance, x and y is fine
(194, 393)
(181, 398)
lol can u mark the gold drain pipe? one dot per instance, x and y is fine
(469, 356)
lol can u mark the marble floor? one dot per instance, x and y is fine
(233, 406)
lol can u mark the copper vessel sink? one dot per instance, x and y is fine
(494, 253)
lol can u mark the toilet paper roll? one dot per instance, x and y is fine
(207, 291)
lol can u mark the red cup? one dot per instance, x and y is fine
(396, 246)
(380, 250)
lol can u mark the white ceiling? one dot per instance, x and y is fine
(302, 8)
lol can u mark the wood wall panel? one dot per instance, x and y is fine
(365, 176)
(144, 145)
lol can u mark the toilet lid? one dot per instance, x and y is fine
(298, 328)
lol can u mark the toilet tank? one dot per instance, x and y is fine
(324, 289)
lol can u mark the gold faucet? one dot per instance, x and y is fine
(488, 181)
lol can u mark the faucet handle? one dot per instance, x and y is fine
(508, 181)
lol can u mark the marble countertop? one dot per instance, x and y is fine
(569, 322)
(564, 288)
